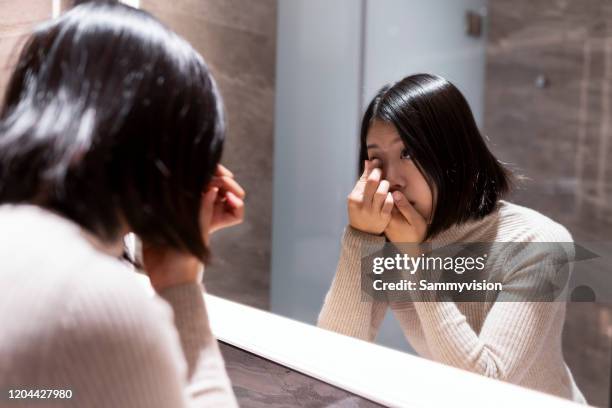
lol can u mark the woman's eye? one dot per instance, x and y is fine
(405, 154)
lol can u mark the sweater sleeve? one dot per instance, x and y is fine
(344, 310)
(121, 347)
(513, 333)
(208, 382)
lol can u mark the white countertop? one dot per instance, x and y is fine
(383, 375)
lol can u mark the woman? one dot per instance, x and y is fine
(111, 124)
(429, 179)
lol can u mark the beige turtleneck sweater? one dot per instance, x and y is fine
(518, 342)
(74, 317)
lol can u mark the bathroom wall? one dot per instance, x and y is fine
(238, 40)
(17, 20)
(548, 107)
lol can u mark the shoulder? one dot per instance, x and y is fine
(517, 223)
(544, 243)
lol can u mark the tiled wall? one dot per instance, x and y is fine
(548, 112)
(18, 18)
(238, 40)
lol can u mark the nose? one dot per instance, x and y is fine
(394, 177)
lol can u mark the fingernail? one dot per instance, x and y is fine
(397, 196)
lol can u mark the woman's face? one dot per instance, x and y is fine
(387, 150)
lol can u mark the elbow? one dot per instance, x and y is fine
(490, 365)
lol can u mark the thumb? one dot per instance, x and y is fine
(404, 207)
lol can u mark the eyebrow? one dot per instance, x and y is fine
(375, 146)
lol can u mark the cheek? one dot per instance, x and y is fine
(421, 192)
(424, 196)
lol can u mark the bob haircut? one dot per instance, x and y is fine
(110, 117)
(439, 132)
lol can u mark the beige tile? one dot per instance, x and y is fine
(238, 41)
(557, 137)
(258, 17)
(18, 18)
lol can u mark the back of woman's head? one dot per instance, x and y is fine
(110, 117)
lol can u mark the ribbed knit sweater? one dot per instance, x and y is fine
(74, 317)
(518, 342)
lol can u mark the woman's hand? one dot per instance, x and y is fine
(222, 206)
(229, 204)
(370, 203)
(406, 224)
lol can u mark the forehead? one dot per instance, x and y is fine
(383, 135)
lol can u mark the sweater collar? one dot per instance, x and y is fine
(468, 230)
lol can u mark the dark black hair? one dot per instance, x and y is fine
(110, 117)
(439, 131)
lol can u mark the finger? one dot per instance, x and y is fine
(407, 209)
(360, 185)
(396, 215)
(207, 210)
(209, 197)
(228, 184)
(369, 166)
(223, 171)
(380, 195)
(371, 186)
(229, 202)
(396, 219)
(367, 169)
(387, 205)
(236, 204)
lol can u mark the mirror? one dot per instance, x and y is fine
(297, 76)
